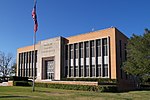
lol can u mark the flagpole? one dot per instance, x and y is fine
(34, 44)
(34, 63)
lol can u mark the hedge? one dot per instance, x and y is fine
(16, 78)
(103, 88)
(78, 87)
(21, 83)
(99, 80)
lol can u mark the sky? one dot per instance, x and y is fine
(67, 18)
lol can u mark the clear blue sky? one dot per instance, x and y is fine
(67, 18)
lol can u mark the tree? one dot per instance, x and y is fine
(13, 69)
(5, 60)
(138, 56)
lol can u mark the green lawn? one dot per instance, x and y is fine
(25, 93)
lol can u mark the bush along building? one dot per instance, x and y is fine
(96, 55)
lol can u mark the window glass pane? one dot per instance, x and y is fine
(81, 71)
(87, 71)
(99, 70)
(87, 49)
(76, 50)
(76, 71)
(66, 50)
(71, 71)
(105, 71)
(71, 51)
(93, 70)
(120, 45)
(92, 49)
(98, 42)
(105, 51)
(81, 50)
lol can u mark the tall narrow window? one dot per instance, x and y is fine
(105, 51)
(66, 57)
(76, 71)
(98, 43)
(92, 49)
(81, 72)
(36, 56)
(66, 51)
(120, 45)
(27, 66)
(71, 71)
(19, 64)
(87, 49)
(105, 71)
(93, 70)
(71, 51)
(86, 71)
(81, 50)
(99, 70)
(76, 51)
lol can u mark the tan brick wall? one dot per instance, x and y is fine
(10, 83)
(27, 48)
(114, 35)
(110, 32)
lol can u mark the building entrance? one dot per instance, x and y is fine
(50, 69)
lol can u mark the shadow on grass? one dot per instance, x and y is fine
(10, 96)
(132, 90)
(50, 92)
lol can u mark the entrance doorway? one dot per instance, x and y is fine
(49, 69)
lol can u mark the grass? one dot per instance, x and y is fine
(25, 93)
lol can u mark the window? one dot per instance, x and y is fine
(19, 67)
(36, 56)
(30, 72)
(92, 49)
(87, 71)
(66, 69)
(66, 51)
(76, 51)
(93, 71)
(71, 71)
(30, 57)
(76, 71)
(105, 51)
(105, 71)
(71, 51)
(99, 70)
(98, 43)
(81, 50)
(81, 71)
(120, 45)
(87, 49)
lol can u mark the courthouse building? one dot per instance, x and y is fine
(96, 54)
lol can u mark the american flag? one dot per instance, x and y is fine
(34, 16)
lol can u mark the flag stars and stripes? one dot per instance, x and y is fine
(34, 16)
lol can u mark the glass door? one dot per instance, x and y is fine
(50, 69)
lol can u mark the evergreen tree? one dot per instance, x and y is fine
(138, 56)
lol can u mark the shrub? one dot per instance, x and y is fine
(16, 78)
(99, 80)
(21, 83)
(108, 89)
(78, 87)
